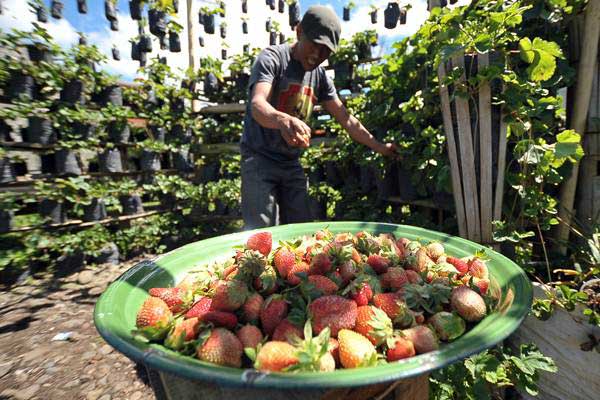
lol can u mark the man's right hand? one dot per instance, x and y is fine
(294, 131)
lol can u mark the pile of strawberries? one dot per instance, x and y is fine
(319, 303)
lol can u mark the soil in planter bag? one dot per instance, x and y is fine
(294, 14)
(109, 254)
(7, 171)
(145, 43)
(56, 8)
(150, 161)
(6, 220)
(40, 131)
(112, 95)
(391, 15)
(42, 14)
(82, 6)
(209, 24)
(20, 85)
(95, 211)
(174, 42)
(119, 132)
(158, 22)
(66, 162)
(72, 92)
(131, 204)
(110, 10)
(52, 210)
(135, 9)
(110, 161)
(135, 51)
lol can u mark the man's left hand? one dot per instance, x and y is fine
(389, 150)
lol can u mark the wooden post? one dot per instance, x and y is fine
(589, 52)
(485, 152)
(191, 46)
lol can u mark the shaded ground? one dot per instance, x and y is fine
(33, 366)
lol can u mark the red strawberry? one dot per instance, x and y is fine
(229, 295)
(395, 308)
(250, 336)
(334, 312)
(400, 348)
(423, 338)
(287, 332)
(348, 271)
(261, 242)
(334, 347)
(363, 295)
(320, 235)
(373, 323)
(275, 356)
(468, 303)
(273, 311)
(299, 268)
(461, 266)
(320, 264)
(355, 350)
(175, 297)
(284, 259)
(251, 308)
(183, 331)
(201, 307)
(221, 347)
(220, 318)
(153, 319)
(230, 272)
(478, 269)
(266, 282)
(325, 285)
(413, 276)
(482, 284)
(394, 278)
(379, 263)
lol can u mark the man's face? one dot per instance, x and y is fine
(311, 54)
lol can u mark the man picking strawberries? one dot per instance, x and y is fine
(286, 82)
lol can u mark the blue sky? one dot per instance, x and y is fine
(96, 27)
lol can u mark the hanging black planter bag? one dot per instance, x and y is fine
(281, 6)
(271, 4)
(223, 30)
(374, 17)
(7, 171)
(176, 6)
(42, 14)
(146, 43)
(116, 54)
(224, 54)
(201, 41)
(158, 133)
(181, 161)
(244, 27)
(272, 38)
(246, 48)
(209, 24)
(201, 17)
(112, 95)
(66, 163)
(114, 25)
(82, 6)
(95, 211)
(222, 7)
(20, 85)
(110, 161)
(38, 53)
(83, 41)
(118, 132)
(245, 6)
(40, 131)
(174, 42)
(6, 220)
(453, 1)
(109, 254)
(150, 161)
(72, 92)
(135, 51)
(443, 3)
(131, 204)
(211, 84)
(281, 38)
(56, 8)
(109, 10)
(391, 15)
(158, 22)
(52, 210)
(268, 25)
(402, 16)
(346, 14)
(135, 9)
(164, 42)
(294, 14)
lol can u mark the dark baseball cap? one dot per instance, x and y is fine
(322, 26)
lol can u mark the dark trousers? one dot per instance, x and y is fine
(272, 194)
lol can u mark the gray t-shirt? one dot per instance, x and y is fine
(294, 92)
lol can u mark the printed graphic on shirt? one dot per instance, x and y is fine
(296, 100)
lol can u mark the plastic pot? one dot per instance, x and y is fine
(346, 14)
(20, 86)
(145, 43)
(132, 204)
(209, 24)
(135, 9)
(109, 254)
(150, 161)
(391, 15)
(53, 210)
(112, 95)
(158, 22)
(41, 14)
(272, 38)
(73, 92)
(6, 221)
(7, 171)
(119, 132)
(115, 315)
(66, 162)
(114, 25)
(174, 42)
(373, 16)
(56, 9)
(110, 10)
(135, 51)
(281, 6)
(110, 161)
(223, 31)
(95, 211)
(40, 131)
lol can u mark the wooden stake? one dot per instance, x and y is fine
(485, 152)
(583, 91)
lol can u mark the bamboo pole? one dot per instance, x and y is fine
(583, 91)
(485, 152)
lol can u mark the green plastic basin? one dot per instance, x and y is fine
(116, 310)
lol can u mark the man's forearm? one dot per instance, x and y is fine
(266, 115)
(360, 134)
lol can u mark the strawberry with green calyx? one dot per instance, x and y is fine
(356, 350)
(320, 264)
(261, 242)
(461, 266)
(251, 263)
(468, 304)
(298, 272)
(273, 311)
(285, 258)
(266, 282)
(297, 301)
(220, 319)
(413, 276)
(394, 278)
(427, 297)
(482, 285)
(334, 312)
(338, 253)
(435, 250)
(422, 261)
(183, 331)
(287, 332)
(477, 266)
(176, 298)
(374, 324)
(229, 295)
(323, 285)
(359, 290)
(201, 307)
(274, 356)
(348, 271)
(251, 308)
(423, 338)
(399, 348)
(448, 326)
(250, 336)
(153, 319)
(366, 244)
(220, 346)
(324, 235)
(395, 308)
(379, 263)
(313, 352)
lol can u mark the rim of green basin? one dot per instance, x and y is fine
(115, 311)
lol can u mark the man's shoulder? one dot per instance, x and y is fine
(279, 50)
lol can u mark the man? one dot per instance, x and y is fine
(285, 84)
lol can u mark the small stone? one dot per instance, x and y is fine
(105, 397)
(106, 350)
(72, 324)
(136, 396)
(87, 355)
(94, 394)
(85, 277)
(5, 368)
(73, 383)
(120, 386)
(103, 381)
